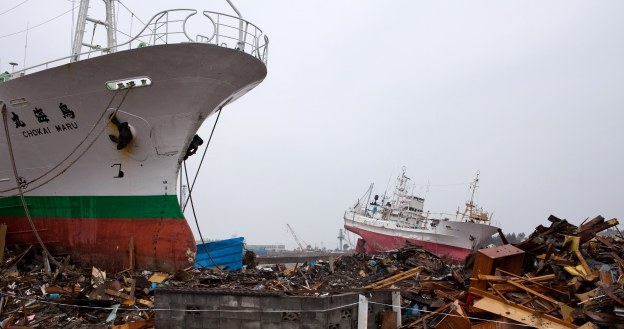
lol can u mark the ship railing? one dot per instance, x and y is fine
(171, 27)
(236, 33)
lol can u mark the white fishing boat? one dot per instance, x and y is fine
(386, 224)
(92, 143)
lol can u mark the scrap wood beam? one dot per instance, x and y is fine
(607, 243)
(557, 226)
(566, 310)
(516, 312)
(590, 275)
(533, 292)
(505, 288)
(535, 282)
(588, 224)
(590, 232)
(497, 278)
(395, 278)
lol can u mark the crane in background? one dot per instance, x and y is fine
(301, 243)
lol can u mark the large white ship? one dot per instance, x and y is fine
(92, 143)
(390, 224)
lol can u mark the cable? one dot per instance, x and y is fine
(131, 12)
(196, 222)
(203, 156)
(6, 11)
(39, 299)
(36, 26)
(453, 315)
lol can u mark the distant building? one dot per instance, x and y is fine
(267, 247)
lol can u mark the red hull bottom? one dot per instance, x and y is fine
(375, 243)
(159, 244)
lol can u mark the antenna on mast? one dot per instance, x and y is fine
(25, 44)
(472, 212)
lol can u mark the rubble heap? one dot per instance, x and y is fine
(562, 276)
(570, 276)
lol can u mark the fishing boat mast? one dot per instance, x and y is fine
(472, 212)
(109, 24)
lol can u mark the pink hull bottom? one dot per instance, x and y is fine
(159, 244)
(375, 243)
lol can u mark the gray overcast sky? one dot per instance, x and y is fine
(528, 92)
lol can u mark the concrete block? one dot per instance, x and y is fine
(253, 310)
(227, 300)
(251, 325)
(240, 313)
(250, 302)
(230, 323)
(214, 322)
(280, 303)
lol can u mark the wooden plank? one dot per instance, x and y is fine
(590, 275)
(142, 324)
(455, 319)
(531, 291)
(145, 302)
(536, 283)
(158, 277)
(594, 221)
(131, 253)
(117, 294)
(389, 320)
(132, 288)
(590, 233)
(522, 314)
(500, 323)
(395, 278)
(500, 278)
(498, 292)
(3, 231)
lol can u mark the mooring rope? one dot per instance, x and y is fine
(189, 198)
(202, 159)
(19, 187)
(201, 237)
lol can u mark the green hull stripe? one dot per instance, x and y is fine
(147, 206)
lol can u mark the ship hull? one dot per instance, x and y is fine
(86, 197)
(113, 243)
(452, 239)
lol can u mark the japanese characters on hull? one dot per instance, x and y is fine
(33, 131)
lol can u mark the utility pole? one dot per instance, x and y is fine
(341, 237)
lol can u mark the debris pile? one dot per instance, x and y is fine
(347, 272)
(571, 276)
(33, 296)
(562, 276)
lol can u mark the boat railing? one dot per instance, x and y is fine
(234, 32)
(172, 26)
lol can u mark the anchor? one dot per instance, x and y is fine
(125, 133)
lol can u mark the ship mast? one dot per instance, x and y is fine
(470, 204)
(109, 24)
(472, 212)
